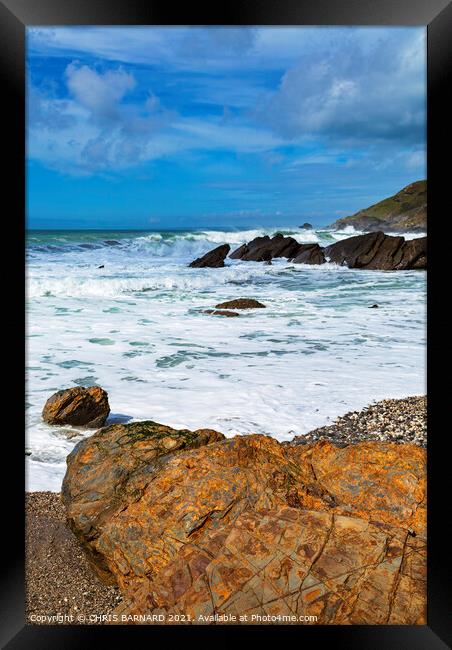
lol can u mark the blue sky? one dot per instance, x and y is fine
(150, 127)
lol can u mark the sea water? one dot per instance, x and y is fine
(136, 327)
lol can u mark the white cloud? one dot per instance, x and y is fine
(189, 48)
(99, 93)
(96, 131)
(342, 91)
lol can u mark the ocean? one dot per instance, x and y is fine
(136, 327)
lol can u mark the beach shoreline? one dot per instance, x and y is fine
(61, 587)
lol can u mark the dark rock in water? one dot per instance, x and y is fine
(379, 251)
(306, 226)
(355, 252)
(262, 249)
(374, 307)
(246, 248)
(370, 251)
(80, 407)
(413, 254)
(237, 254)
(309, 254)
(221, 312)
(212, 259)
(111, 242)
(266, 257)
(241, 303)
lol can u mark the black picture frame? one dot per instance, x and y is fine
(15, 16)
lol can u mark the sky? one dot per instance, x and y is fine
(184, 127)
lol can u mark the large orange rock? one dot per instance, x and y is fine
(285, 564)
(381, 481)
(250, 526)
(105, 472)
(82, 407)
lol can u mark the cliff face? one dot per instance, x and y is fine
(406, 211)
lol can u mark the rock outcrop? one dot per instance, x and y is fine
(262, 249)
(241, 303)
(306, 226)
(189, 523)
(374, 250)
(109, 469)
(379, 251)
(309, 254)
(213, 259)
(80, 407)
(406, 211)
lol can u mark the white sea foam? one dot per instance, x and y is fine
(137, 328)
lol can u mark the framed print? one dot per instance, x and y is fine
(226, 343)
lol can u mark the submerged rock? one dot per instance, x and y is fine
(306, 226)
(220, 312)
(80, 407)
(241, 303)
(249, 525)
(213, 259)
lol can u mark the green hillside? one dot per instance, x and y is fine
(406, 211)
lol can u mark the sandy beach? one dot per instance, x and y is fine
(59, 580)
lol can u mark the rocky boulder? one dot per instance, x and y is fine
(378, 251)
(286, 562)
(213, 259)
(309, 254)
(413, 254)
(241, 303)
(355, 252)
(262, 249)
(246, 248)
(306, 226)
(80, 407)
(249, 525)
(108, 470)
